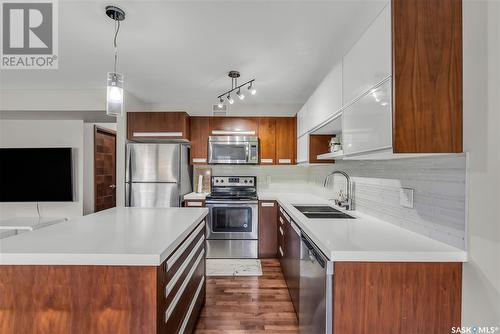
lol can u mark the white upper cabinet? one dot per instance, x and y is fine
(325, 102)
(327, 99)
(367, 123)
(303, 149)
(369, 60)
(302, 121)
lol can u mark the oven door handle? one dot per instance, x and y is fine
(231, 203)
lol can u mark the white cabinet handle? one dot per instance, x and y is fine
(228, 132)
(266, 161)
(267, 204)
(284, 161)
(281, 231)
(194, 203)
(281, 221)
(200, 160)
(281, 251)
(157, 134)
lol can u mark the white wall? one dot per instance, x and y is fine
(41, 133)
(481, 275)
(88, 164)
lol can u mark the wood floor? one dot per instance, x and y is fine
(248, 304)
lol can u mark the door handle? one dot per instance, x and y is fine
(112, 186)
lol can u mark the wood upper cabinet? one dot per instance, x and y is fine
(267, 140)
(427, 72)
(199, 129)
(268, 238)
(224, 126)
(286, 133)
(157, 125)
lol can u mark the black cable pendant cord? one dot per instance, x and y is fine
(117, 29)
(38, 210)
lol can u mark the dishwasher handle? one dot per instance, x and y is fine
(314, 255)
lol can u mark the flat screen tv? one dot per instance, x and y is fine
(36, 175)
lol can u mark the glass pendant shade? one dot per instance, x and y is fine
(114, 97)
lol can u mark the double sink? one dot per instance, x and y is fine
(321, 212)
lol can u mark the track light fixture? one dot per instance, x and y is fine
(234, 75)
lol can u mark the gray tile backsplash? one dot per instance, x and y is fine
(439, 184)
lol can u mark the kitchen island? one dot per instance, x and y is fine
(123, 270)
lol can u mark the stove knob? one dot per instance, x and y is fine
(246, 181)
(221, 181)
(216, 181)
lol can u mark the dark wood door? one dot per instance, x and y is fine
(268, 238)
(104, 169)
(285, 140)
(267, 140)
(200, 128)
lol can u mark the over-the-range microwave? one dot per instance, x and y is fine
(233, 150)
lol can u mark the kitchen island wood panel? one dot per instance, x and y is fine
(396, 297)
(77, 299)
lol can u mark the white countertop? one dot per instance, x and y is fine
(118, 236)
(364, 238)
(194, 195)
(28, 223)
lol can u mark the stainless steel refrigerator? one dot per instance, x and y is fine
(157, 174)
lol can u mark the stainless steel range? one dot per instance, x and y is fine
(232, 223)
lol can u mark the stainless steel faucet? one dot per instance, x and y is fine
(344, 201)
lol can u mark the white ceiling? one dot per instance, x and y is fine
(176, 54)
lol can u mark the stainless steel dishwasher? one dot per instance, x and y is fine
(316, 297)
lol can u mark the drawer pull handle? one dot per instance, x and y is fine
(181, 269)
(281, 221)
(191, 307)
(200, 160)
(284, 161)
(267, 204)
(157, 134)
(179, 294)
(171, 261)
(194, 203)
(281, 251)
(266, 161)
(281, 231)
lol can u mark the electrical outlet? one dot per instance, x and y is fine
(406, 197)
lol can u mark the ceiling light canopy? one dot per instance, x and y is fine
(114, 96)
(234, 75)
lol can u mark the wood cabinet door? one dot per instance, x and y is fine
(199, 129)
(224, 126)
(286, 140)
(104, 168)
(268, 238)
(427, 60)
(157, 125)
(267, 140)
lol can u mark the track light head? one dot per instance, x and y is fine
(230, 99)
(240, 95)
(251, 89)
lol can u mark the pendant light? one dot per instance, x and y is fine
(114, 96)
